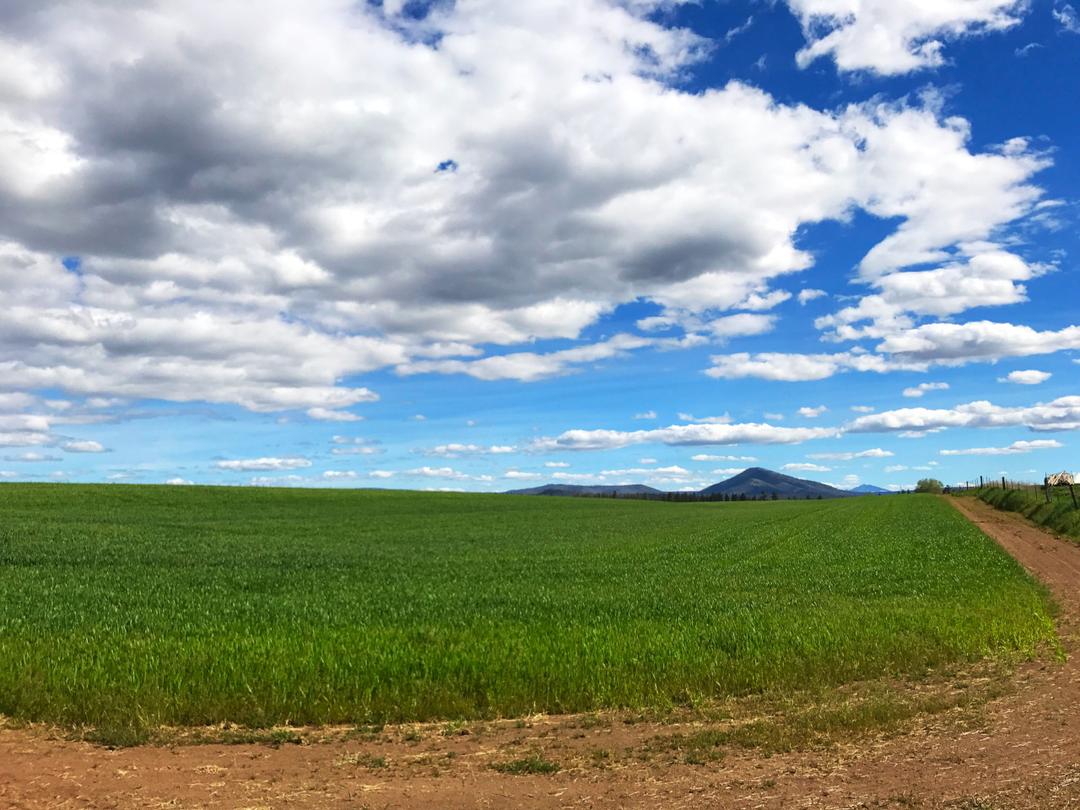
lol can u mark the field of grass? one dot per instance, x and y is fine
(1059, 515)
(128, 607)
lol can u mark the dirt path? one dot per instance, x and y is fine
(1026, 753)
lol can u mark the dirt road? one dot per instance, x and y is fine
(1025, 752)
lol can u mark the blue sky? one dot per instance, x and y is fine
(483, 246)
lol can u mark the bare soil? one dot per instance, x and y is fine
(1019, 750)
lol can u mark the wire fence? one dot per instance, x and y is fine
(1043, 489)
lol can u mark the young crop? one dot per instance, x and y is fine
(128, 607)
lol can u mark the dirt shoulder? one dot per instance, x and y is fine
(1021, 750)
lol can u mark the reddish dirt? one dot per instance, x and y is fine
(1025, 754)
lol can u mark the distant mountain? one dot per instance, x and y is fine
(870, 489)
(758, 481)
(753, 483)
(635, 490)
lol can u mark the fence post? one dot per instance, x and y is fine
(1073, 493)
(1003, 487)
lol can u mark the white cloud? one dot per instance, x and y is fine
(1060, 414)
(327, 415)
(438, 472)
(891, 37)
(806, 296)
(556, 465)
(645, 415)
(953, 343)
(799, 467)
(743, 324)
(358, 450)
(529, 366)
(1067, 17)
(448, 472)
(31, 456)
(178, 482)
(1016, 448)
(647, 461)
(381, 474)
(83, 446)
(748, 433)
(895, 468)
(266, 463)
(455, 450)
(339, 475)
(673, 471)
(710, 457)
(724, 419)
(281, 227)
(1027, 377)
(774, 417)
(518, 475)
(875, 452)
(862, 409)
(914, 349)
(812, 413)
(920, 389)
(784, 367)
(727, 472)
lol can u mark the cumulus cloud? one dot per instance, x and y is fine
(31, 456)
(806, 296)
(339, 475)
(520, 475)
(919, 390)
(723, 419)
(447, 472)
(915, 349)
(530, 366)
(1027, 377)
(891, 37)
(178, 482)
(800, 467)
(259, 225)
(265, 463)
(875, 452)
(455, 450)
(1016, 448)
(679, 435)
(812, 412)
(83, 446)
(710, 457)
(645, 415)
(785, 367)
(1060, 414)
(327, 415)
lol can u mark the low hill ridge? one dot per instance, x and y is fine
(758, 481)
(754, 483)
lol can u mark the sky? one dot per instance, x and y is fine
(485, 245)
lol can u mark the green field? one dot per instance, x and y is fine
(194, 605)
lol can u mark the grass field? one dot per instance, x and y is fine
(124, 606)
(1059, 515)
